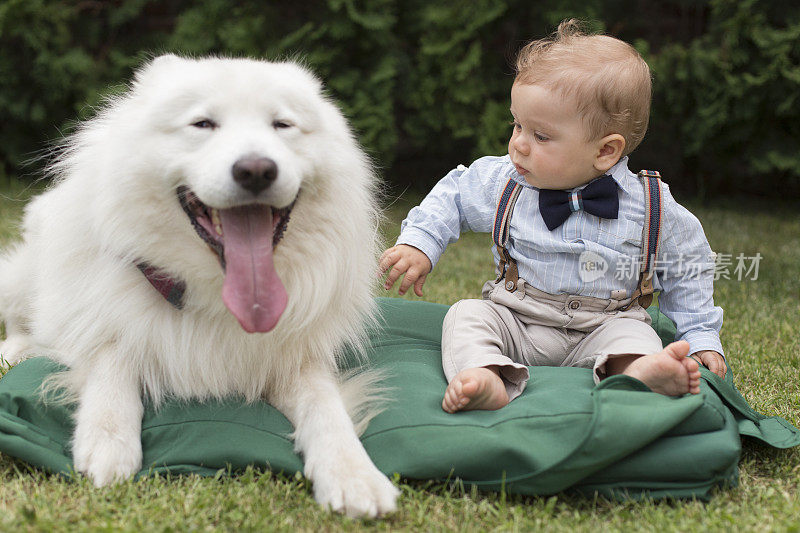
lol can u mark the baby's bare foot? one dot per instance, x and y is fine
(669, 371)
(475, 388)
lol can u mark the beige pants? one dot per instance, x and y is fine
(532, 328)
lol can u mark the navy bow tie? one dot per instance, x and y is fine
(599, 198)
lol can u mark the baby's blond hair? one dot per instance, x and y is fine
(607, 78)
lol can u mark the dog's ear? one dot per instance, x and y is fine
(159, 64)
(164, 59)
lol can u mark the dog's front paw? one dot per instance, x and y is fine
(354, 487)
(14, 349)
(106, 458)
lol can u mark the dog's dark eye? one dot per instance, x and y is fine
(281, 124)
(205, 123)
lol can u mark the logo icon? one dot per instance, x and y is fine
(592, 267)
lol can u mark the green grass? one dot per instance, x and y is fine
(760, 336)
(13, 197)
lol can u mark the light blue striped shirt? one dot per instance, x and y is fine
(586, 255)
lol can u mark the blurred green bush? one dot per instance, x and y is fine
(425, 84)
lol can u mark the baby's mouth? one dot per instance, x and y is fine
(520, 170)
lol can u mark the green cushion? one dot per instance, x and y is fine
(617, 438)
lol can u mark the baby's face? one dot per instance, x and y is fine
(548, 145)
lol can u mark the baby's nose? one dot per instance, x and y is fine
(521, 146)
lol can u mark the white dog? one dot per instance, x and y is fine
(164, 261)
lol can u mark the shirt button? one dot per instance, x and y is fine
(574, 305)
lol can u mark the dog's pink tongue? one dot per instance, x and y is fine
(252, 290)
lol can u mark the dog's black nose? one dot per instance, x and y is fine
(255, 173)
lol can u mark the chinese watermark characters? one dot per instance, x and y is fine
(728, 266)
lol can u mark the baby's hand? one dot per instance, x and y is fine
(713, 360)
(406, 260)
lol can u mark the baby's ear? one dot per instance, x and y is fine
(609, 151)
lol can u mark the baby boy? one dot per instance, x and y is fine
(580, 104)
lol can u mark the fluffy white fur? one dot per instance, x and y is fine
(71, 289)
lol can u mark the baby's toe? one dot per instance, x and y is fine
(453, 397)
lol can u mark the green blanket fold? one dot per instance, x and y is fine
(563, 433)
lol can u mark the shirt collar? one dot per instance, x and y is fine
(620, 171)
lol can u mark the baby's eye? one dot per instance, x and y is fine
(516, 125)
(539, 137)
